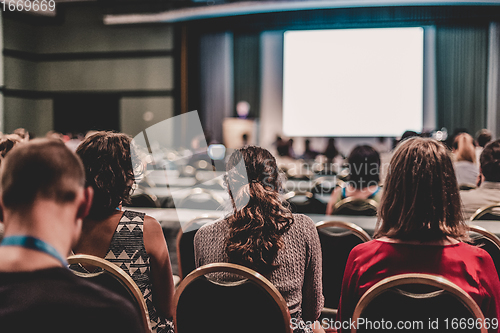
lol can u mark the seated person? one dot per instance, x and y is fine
(331, 151)
(421, 231)
(264, 235)
(483, 137)
(364, 168)
(488, 192)
(465, 160)
(7, 142)
(109, 232)
(43, 201)
(309, 154)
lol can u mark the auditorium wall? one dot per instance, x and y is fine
(75, 53)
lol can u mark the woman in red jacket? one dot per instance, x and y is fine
(421, 229)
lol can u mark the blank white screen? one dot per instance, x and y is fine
(353, 82)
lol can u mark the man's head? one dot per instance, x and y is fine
(490, 162)
(483, 137)
(40, 169)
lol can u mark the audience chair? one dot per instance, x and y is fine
(200, 198)
(185, 244)
(142, 198)
(210, 184)
(292, 174)
(326, 185)
(188, 171)
(488, 241)
(337, 240)
(304, 203)
(417, 299)
(466, 187)
(491, 212)
(203, 165)
(111, 277)
(352, 206)
(248, 304)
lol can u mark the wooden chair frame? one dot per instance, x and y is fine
(245, 272)
(181, 232)
(487, 234)
(417, 278)
(345, 201)
(320, 180)
(293, 194)
(483, 210)
(120, 274)
(354, 228)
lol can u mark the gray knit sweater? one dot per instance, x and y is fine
(298, 276)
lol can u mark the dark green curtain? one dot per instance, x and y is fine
(461, 77)
(247, 71)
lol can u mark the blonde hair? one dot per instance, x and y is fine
(464, 150)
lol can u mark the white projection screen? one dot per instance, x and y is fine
(353, 82)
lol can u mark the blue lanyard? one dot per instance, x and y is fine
(33, 243)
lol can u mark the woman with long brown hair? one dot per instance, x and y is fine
(131, 240)
(264, 235)
(421, 230)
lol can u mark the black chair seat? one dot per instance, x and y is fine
(249, 305)
(337, 240)
(416, 301)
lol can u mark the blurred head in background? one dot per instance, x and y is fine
(364, 167)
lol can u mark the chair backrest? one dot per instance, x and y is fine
(416, 300)
(491, 212)
(248, 304)
(337, 239)
(488, 242)
(185, 244)
(352, 206)
(466, 187)
(206, 180)
(112, 278)
(200, 198)
(326, 185)
(142, 198)
(304, 203)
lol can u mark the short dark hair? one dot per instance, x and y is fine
(490, 161)
(483, 137)
(41, 168)
(421, 200)
(364, 166)
(106, 157)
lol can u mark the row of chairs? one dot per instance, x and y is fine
(337, 239)
(490, 213)
(197, 198)
(307, 203)
(253, 304)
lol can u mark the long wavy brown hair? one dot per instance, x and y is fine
(260, 217)
(421, 200)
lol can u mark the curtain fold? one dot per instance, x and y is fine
(247, 71)
(216, 82)
(462, 77)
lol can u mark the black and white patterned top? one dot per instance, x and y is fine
(127, 251)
